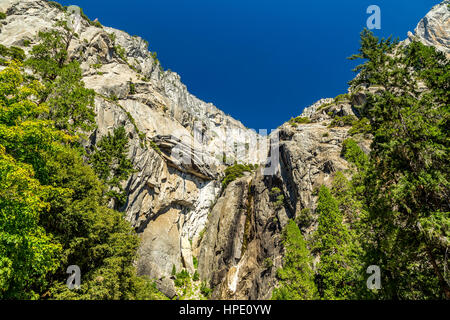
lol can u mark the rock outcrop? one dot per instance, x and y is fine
(434, 28)
(242, 249)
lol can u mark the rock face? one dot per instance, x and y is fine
(170, 194)
(178, 144)
(434, 28)
(242, 249)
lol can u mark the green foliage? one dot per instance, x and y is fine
(3, 16)
(276, 197)
(50, 54)
(343, 121)
(14, 53)
(56, 5)
(195, 262)
(155, 59)
(378, 56)
(27, 253)
(362, 126)
(51, 209)
(205, 290)
(112, 37)
(299, 120)
(132, 88)
(109, 160)
(268, 263)
(325, 106)
(174, 270)
(201, 234)
(304, 219)
(353, 153)
(275, 191)
(341, 97)
(155, 147)
(196, 276)
(333, 243)
(235, 171)
(406, 182)
(121, 52)
(182, 279)
(296, 277)
(70, 102)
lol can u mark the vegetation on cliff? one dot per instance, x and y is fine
(52, 204)
(394, 212)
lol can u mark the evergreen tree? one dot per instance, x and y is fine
(296, 277)
(109, 160)
(333, 243)
(70, 103)
(407, 187)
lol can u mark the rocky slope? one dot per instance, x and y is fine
(178, 207)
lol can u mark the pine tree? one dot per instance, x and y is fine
(333, 243)
(406, 183)
(296, 277)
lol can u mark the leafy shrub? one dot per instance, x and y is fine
(296, 277)
(14, 53)
(205, 290)
(195, 262)
(121, 52)
(343, 121)
(304, 219)
(235, 171)
(299, 120)
(132, 88)
(353, 154)
(196, 276)
(112, 37)
(42, 170)
(182, 279)
(277, 197)
(268, 263)
(341, 97)
(325, 105)
(332, 242)
(361, 126)
(2, 15)
(174, 270)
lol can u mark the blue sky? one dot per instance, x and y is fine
(261, 61)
